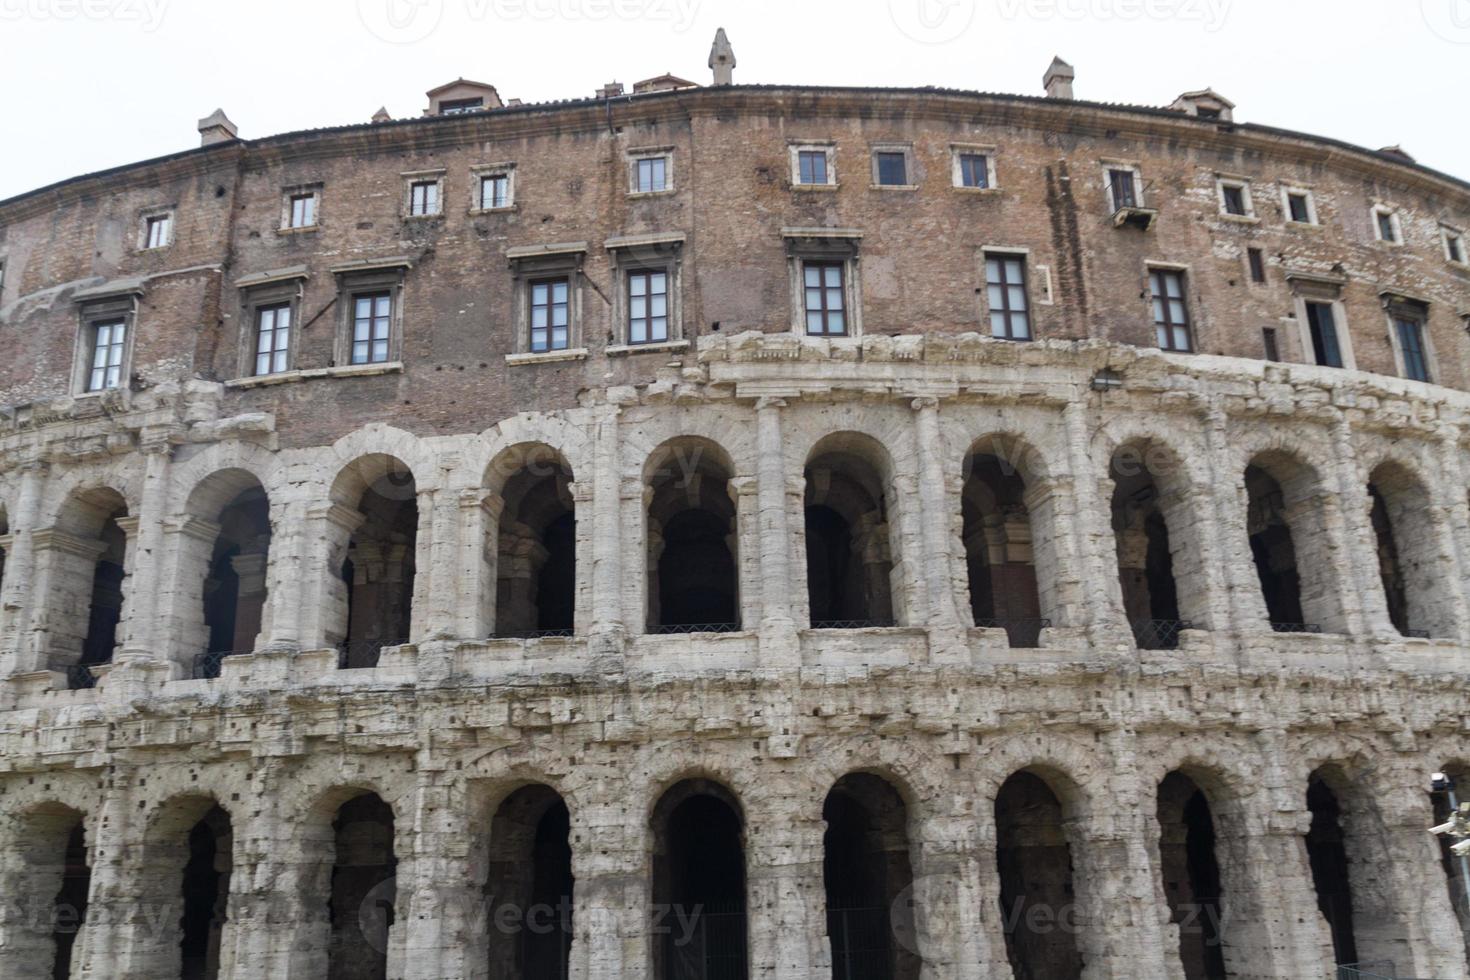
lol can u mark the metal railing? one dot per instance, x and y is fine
(1381, 970)
(1159, 634)
(859, 943)
(1416, 634)
(560, 633)
(1022, 633)
(360, 654)
(714, 949)
(207, 665)
(851, 624)
(681, 629)
(1296, 628)
(79, 677)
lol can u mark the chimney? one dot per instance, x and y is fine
(1058, 80)
(216, 128)
(722, 59)
(381, 116)
(610, 91)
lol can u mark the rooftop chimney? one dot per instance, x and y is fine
(610, 91)
(1058, 80)
(216, 128)
(381, 116)
(722, 59)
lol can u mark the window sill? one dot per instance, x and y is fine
(893, 187)
(663, 347)
(814, 188)
(666, 192)
(547, 357)
(437, 216)
(507, 209)
(1305, 225)
(1241, 219)
(976, 190)
(291, 377)
(304, 230)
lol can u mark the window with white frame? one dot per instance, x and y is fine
(272, 339)
(1006, 296)
(813, 165)
(1386, 225)
(1124, 187)
(104, 342)
(1299, 206)
(495, 190)
(1454, 245)
(300, 208)
(158, 230)
(647, 309)
(372, 316)
(108, 342)
(1409, 327)
(1171, 310)
(825, 290)
(973, 167)
(551, 311)
(893, 166)
(1322, 332)
(269, 319)
(1235, 197)
(548, 291)
(651, 171)
(423, 194)
(372, 326)
(648, 306)
(1321, 319)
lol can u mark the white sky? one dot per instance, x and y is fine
(90, 84)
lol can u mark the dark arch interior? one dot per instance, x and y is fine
(849, 563)
(105, 609)
(1390, 569)
(70, 904)
(1145, 558)
(997, 534)
(379, 569)
(866, 870)
(1272, 548)
(234, 591)
(699, 885)
(536, 569)
(205, 893)
(691, 528)
(530, 878)
(1036, 892)
(363, 894)
(1328, 856)
(1191, 875)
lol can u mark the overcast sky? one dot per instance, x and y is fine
(91, 84)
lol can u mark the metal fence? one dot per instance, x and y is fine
(1296, 628)
(1159, 634)
(548, 634)
(860, 949)
(1382, 970)
(850, 624)
(683, 629)
(79, 677)
(207, 665)
(1022, 633)
(714, 949)
(359, 654)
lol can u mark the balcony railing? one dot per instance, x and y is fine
(714, 949)
(79, 677)
(1023, 634)
(860, 943)
(683, 629)
(360, 654)
(1296, 628)
(1416, 634)
(851, 624)
(560, 633)
(207, 665)
(1159, 634)
(1383, 970)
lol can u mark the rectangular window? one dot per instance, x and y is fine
(1125, 194)
(1300, 208)
(812, 166)
(108, 338)
(1411, 345)
(372, 325)
(648, 307)
(458, 107)
(1322, 326)
(159, 231)
(892, 168)
(651, 175)
(1454, 246)
(1005, 282)
(550, 315)
(1171, 315)
(1387, 228)
(974, 170)
(1233, 197)
(494, 191)
(423, 198)
(1268, 340)
(303, 210)
(1257, 263)
(273, 339)
(824, 287)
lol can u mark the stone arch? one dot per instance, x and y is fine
(84, 560)
(566, 438)
(528, 868)
(46, 879)
(1162, 549)
(853, 567)
(1288, 507)
(692, 537)
(1188, 855)
(1012, 582)
(375, 553)
(1412, 554)
(536, 541)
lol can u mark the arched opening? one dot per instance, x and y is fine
(363, 893)
(998, 548)
(46, 885)
(1273, 550)
(1417, 593)
(1456, 869)
(1037, 900)
(849, 557)
(1291, 544)
(528, 888)
(536, 577)
(699, 884)
(233, 591)
(1191, 873)
(1328, 856)
(866, 870)
(378, 567)
(87, 555)
(70, 907)
(1149, 520)
(692, 542)
(4, 542)
(206, 891)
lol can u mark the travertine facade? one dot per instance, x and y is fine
(359, 632)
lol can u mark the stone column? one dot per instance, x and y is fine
(323, 593)
(437, 903)
(63, 566)
(477, 563)
(143, 616)
(948, 643)
(1452, 507)
(608, 586)
(1361, 544)
(786, 897)
(1244, 604)
(114, 908)
(286, 580)
(743, 541)
(956, 896)
(1095, 546)
(779, 647)
(18, 593)
(182, 636)
(611, 898)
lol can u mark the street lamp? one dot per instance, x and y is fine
(1457, 826)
